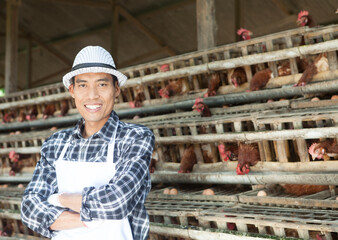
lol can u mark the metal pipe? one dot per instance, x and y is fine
(216, 101)
(227, 177)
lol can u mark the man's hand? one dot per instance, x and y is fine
(54, 200)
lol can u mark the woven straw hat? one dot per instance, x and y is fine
(93, 59)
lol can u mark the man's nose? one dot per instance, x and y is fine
(93, 93)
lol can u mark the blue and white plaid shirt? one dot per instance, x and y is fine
(127, 190)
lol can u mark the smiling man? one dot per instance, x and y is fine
(92, 180)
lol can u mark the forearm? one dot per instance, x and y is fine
(67, 220)
(71, 200)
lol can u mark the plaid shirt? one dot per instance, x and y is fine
(127, 190)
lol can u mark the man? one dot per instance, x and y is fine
(92, 180)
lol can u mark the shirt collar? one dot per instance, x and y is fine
(105, 132)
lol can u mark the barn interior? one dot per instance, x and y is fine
(220, 115)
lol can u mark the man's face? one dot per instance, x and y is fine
(94, 96)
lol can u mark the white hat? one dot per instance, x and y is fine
(93, 59)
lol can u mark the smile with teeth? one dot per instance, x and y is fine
(92, 107)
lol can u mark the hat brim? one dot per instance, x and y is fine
(120, 76)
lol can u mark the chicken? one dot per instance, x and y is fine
(238, 77)
(33, 113)
(64, 108)
(305, 19)
(248, 155)
(206, 152)
(174, 88)
(201, 107)
(244, 33)
(7, 230)
(294, 189)
(188, 160)
(213, 85)
(152, 165)
(139, 98)
(16, 162)
(8, 117)
(324, 150)
(285, 68)
(228, 151)
(14, 156)
(16, 167)
(49, 111)
(260, 79)
(22, 115)
(320, 64)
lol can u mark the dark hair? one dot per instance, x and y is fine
(113, 76)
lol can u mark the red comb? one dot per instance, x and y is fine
(164, 68)
(198, 100)
(11, 154)
(302, 14)
(242, 30)
(312, 148)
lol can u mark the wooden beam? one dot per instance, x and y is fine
(45, 79)
(143, 56)
(11, 48)
(206, 24)
(282, 6)
(50, 49)
(145, 30)
(274, 26)
(84, 3)
(38, 40)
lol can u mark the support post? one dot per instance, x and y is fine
(29, 64)
(238, 19)
(206, 24)
(114, 30)
(11, 59)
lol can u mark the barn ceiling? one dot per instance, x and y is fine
(58, 29)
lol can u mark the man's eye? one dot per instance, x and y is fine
(103, 84)
(82, 85)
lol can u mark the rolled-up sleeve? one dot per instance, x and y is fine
(36, 213)
(129, 186)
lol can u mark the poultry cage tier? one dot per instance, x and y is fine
(194, 70)
(283, 132)
(236, 218)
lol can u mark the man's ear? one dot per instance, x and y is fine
(117, 89)
(71, 90)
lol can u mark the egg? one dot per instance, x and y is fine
(166, 191)
(337, 198)
(208, 192)
(315, 99)
(334, 97)
(20, 185)
(173, 191)
(261, 194)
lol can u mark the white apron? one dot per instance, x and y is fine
(72, 177)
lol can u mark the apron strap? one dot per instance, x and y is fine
(64, 150)
(111, 146)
